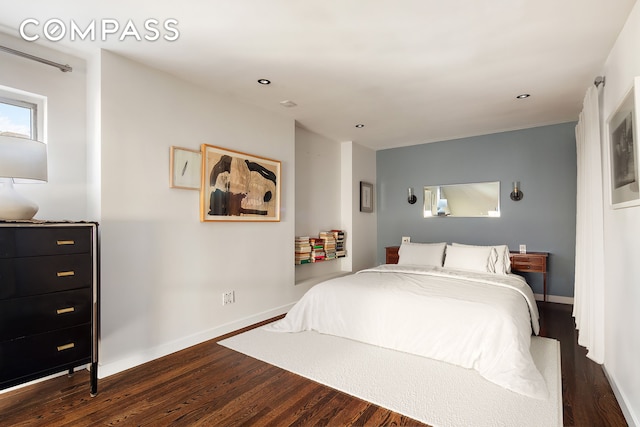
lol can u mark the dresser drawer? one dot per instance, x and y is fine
(37, 354)
(36, 241)
(44, 313)
(37, 275)
(7, 242)
(528, 263)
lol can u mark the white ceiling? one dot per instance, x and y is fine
(411, 71)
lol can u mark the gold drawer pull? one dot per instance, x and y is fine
(65, 310)
(66, 346)
(65, 242)
(66, 273)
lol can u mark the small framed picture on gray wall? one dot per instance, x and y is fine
(366, 197)
(623, 151)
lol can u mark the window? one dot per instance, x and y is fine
(18, 118)
(22, 114)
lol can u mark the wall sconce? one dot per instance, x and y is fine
(516, 194)
(411, 198)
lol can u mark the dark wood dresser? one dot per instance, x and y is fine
(48, 300)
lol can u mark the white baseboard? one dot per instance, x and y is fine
(622, 401)
(555, 298)
(105, 370)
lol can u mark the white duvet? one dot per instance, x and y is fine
(474, 320)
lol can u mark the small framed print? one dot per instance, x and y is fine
(623, 151)
(366, 197)
(185, 168)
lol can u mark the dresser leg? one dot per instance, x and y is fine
(93, 371)
(70, 373)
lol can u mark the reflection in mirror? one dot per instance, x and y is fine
(480, 199)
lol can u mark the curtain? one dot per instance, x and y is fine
(588, 308)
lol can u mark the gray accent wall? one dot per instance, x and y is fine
(543, 159)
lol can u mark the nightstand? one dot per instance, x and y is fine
(531, 262)
(392, 254)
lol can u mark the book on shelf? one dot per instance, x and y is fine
(328, 245)
(316, 241)
(338, 234)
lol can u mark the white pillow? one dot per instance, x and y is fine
(472, 258)
(502, 259)
(504, 254)
(428, 254)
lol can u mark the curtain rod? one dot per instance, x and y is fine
(62, 67)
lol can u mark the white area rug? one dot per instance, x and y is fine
(433, 392)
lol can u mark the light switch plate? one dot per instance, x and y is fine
(406, 239)
(523, 249)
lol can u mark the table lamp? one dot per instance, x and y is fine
(25, 159)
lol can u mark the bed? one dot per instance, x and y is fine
(455, 303)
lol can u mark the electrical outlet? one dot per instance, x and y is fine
(406, 239)
(228, 297)
(523, 249)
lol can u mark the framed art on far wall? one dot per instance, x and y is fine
(238, 186)
(623, 151)
(366, 197)
(184, 168)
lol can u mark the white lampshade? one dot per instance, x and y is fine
(25, 159)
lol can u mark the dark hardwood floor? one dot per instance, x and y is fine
(210, 385)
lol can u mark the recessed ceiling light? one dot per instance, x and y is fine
(359, 125)
(523, 96)
(264, 81)
(287, 103)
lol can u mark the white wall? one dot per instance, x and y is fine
(64, 196)
(164, 272)
(622, 239)
(318, 198)
(359, 164)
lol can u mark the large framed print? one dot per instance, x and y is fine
(238, 186)
(623, 151)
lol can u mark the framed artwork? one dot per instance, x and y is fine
(623, 151)
(366, 197)
(238, 186)
(185, 168)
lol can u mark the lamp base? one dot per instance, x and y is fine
(14, 206)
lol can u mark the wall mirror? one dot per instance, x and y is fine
(479, 199)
